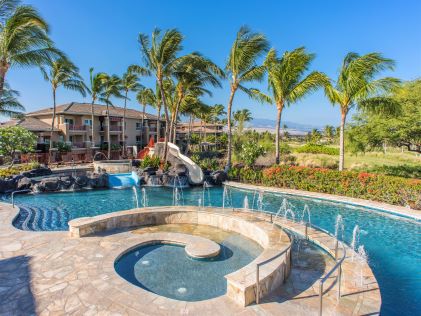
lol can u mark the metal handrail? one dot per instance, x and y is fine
(338, 265)
(18, 191)
(265, 262)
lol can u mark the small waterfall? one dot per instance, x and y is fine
(246, 203)
(206, 193)
(226, 198)
(260, 201)
(144, 198)
(355, 240)
(199, 203)
(289, 212)
(306, 210)
(135, 197)
(282, 209)
(339, 227)
(177, 196)
(363, 256)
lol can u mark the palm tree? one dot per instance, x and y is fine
(242, 116)
(241, 68)
(129, 82)
(62, 73)
(145, 96)
(24, 38)
(287, 82)
(192, 73)
(329, 132)
(357, 85)
(160, 58)
(96, 90)
(9, 105)
(112, 88)
(217, 111)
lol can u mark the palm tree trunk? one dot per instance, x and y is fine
(124, 124)
(92, 124)
(143, 120)
(4, 66)
(108, 132)
(342, 141)
(229, 149)
(52, 124)
(280, 107)
(158, 125)
(189, 133)
(164, 102)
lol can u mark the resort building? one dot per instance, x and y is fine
(73, 125)
(199, 128)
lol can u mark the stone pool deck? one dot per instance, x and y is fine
(49, 273)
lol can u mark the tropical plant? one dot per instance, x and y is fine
(241, 68)
(112, 88)
(62, 73)
(288, 83)
(96, 90)
(24, 39)
(16, 138)
(160, 58)
(129, 82)
(9, 105)
(329, 133)
(240, 117)
(357, 85)
(250, 151)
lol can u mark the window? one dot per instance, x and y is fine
(138, 125)
(69, 121)
(88, 122)
(138, 139)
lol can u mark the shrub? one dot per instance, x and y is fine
(17, 169)
(405, 171)
(317, 149)
(377, 187)
(250, 151)
(150, 161)
(63, 147)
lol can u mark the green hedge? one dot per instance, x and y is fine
(317, 149)
(376, 187)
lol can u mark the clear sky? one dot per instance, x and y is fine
(103, 34)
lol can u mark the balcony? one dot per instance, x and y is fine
(73, 127)
(114, 128)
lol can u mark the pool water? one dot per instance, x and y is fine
(167, 270)
(393, 243)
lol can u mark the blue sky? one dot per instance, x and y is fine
(103, 34)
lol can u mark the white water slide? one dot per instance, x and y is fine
(195, 172)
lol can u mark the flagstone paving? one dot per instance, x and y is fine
(49, 273)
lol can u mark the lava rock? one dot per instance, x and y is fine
(180, 170)
(66, 182)
(8, 185)
(39, 172)
(81, 182)
(24, 184)
(99, 180)
(218, 177)
(49, 184)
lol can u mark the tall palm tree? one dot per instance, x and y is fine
(24, 38)
(217, 111)
(241, 67)
(242, 116)
(145, 96)
(329, 132)
(112, 88)
(129, 82)
(357, 85)
(96, 90)
(160, 57)
(9, 105)
(62, 73)
(287, 81)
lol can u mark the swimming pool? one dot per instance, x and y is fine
(392, 243)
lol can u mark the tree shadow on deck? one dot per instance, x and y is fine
(15, 289)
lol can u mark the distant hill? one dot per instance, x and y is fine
(269, 125)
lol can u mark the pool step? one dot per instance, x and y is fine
(41, 219)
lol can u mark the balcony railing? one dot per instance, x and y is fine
(115, 128)
(73, 127)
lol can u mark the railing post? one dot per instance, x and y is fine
(257, 285)
(271, 217)
(336, 248)
(306, 231)
(339, 281)
(321, 298)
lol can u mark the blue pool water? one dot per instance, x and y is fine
(185, 278)
(392, 243)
